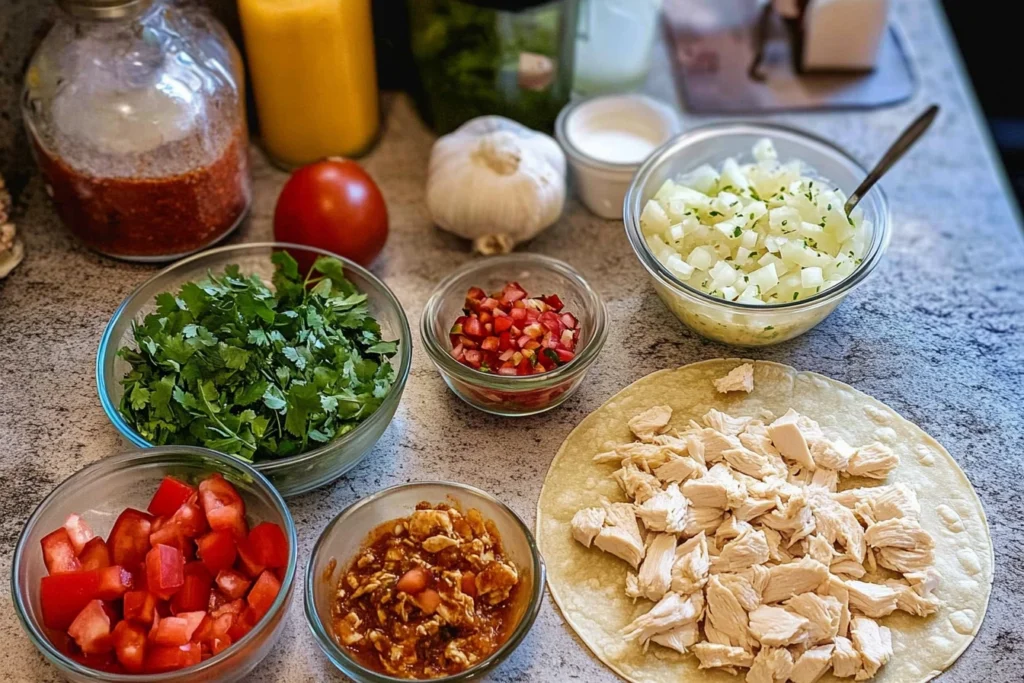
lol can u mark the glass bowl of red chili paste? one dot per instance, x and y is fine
(536, 282)
(461, 619)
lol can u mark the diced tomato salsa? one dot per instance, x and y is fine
(510, 333)
(169, 587)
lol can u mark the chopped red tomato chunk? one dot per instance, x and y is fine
(171, 495)
(139, 602)
(506, 333)
(59, 554)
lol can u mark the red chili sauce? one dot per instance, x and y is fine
(150, 217)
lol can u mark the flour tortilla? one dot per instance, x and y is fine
(588, 584)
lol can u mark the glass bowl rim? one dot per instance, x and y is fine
(269, 466)
(113, 464)
(632, 210)
(334, 652)
(583, 359)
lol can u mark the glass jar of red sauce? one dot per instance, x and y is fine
(135, 111)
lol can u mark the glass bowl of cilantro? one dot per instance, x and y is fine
(297, 369)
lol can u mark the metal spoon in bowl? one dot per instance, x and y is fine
(904, 142)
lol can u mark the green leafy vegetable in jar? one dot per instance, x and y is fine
(230, 364)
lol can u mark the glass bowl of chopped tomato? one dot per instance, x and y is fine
(86, 575)
(514, 335)
(343, 544)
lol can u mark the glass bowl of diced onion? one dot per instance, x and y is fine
(745, 269)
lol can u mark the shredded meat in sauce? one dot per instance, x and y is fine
(429, 595)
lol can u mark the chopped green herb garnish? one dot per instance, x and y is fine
(232, 365)
(795, 295)
(715, 213)
(737, 232)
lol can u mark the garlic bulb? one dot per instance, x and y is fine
(496, 182)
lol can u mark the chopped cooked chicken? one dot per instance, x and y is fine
(704, 519)
(777, 627)
(873, 642)
(718, 489)
(678, 469)
(635, 483)
(847, 568)
(740, 378)
(496, 581)
(726, 424)
(712, 655)
(876, 460)
(754, 507)
(424, 523)
(871, 599)
(787, 580)
(771, 665)
(812, 664)
(690, 570)
(586, 524)
(794, 518)
(820, 549)
(436, 544)
(664, 511)
(776, 553)
(671, 612)
(906, 561)
(741, 586)
(621, 535)
(754, 464)
(833, 455)
(822, 611)
(731, 528)
(745, 551)
(909, 600)
(651, 422)
(773, 558)
(901, 532)
(714, 442)
(726, 615)
(845, 658)
(679, 639)
(655, 575)
(787, 436)
(836, 588)
(835, 522)
(346, 628)
(825, 478)
(924, 582)
(895, 501)
(646, 456)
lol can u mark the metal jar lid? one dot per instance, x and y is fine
(104, 9)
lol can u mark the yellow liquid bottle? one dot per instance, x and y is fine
(313, 77)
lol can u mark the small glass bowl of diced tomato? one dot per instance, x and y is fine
(515, 334)
(170, 564)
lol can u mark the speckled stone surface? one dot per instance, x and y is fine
(937, 333)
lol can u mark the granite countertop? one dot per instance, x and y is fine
(936, 333)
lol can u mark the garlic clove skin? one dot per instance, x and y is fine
(495, 182)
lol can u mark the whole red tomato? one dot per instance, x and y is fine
(334, 205)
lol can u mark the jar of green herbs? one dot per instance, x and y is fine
(506, 57)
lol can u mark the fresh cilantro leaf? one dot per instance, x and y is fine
(228, 363)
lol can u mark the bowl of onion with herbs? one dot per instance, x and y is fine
(287, 357)
(742, 230)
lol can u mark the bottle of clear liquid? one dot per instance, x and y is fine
(613, 44)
